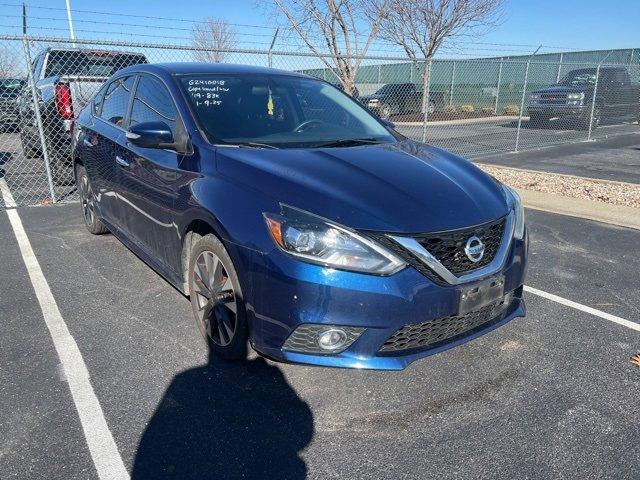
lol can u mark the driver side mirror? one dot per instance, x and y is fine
(151, 135)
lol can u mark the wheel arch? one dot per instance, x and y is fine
(193, 230)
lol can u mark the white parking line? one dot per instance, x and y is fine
(102, 447)
(584, 308)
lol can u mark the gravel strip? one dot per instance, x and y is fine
(616, 193)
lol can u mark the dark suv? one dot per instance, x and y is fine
(616, 97)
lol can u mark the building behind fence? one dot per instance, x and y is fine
(478, 107)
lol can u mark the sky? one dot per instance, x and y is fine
(557, 24)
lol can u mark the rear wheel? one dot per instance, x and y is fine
(216, 299)
(29, 151)
(88, 203)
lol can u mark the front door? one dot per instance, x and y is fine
(150, 177)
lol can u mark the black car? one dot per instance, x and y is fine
(10, 89)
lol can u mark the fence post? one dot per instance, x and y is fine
(270, 53)
(453, 78)
(425, 102)
(495, 110)
(36, 112)
(524, 92)
(595, 92)
(559, 68)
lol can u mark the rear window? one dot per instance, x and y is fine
(94, 64)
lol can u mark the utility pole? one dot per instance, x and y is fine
(72, 34)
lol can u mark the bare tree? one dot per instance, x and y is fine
(215, 37)
(338, 32)
(9, 64)
(421, 26)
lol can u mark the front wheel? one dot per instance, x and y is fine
(593, 120)
(539, 120)
(216, 299)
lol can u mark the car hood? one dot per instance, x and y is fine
(565, 89)
(403, 187)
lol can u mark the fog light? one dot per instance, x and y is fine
(321, 339)
(332, 339)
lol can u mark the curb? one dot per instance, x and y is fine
(619, 215)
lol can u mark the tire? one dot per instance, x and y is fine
(87, 203)
(431, 108)
(61, 172)
(595, 121)
(215, 292)
(29, 152)
(539, 120)
(385, 111)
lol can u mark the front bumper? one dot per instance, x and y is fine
(282, 293)
(561, 111)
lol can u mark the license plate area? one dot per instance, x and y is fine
(481, 295)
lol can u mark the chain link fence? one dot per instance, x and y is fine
(473, 107)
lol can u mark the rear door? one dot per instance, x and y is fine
(102, 140)
(149, 177)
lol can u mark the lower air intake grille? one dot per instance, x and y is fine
(419, 336)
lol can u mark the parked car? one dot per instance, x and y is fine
(572, 99)
(10, 89)
(307, 227)
(65, 81)
(400, 98)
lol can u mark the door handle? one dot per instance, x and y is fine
(122, 161)
(87, 143)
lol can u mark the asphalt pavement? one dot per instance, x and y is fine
(616, 158)
(552, 395)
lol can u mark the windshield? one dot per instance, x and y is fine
(580, 77)
(278, 111)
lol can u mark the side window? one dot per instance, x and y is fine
(116, 100)
(98, 100)
(153, 103)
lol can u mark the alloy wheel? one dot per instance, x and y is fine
(87, 200)
(215, 298)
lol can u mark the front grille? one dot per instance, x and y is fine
(448, 248)
(432, 333)
(553, 98)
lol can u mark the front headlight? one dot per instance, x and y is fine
(316, 240)
(535, 96)
(515, 203)
(575, 96)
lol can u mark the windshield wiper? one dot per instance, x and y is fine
(345, 142)
(254, 145)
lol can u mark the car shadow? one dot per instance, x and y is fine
(226, 420)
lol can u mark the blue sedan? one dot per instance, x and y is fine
(295, 220)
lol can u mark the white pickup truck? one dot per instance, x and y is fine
(65, 80)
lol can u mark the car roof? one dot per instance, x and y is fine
(185, 68)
